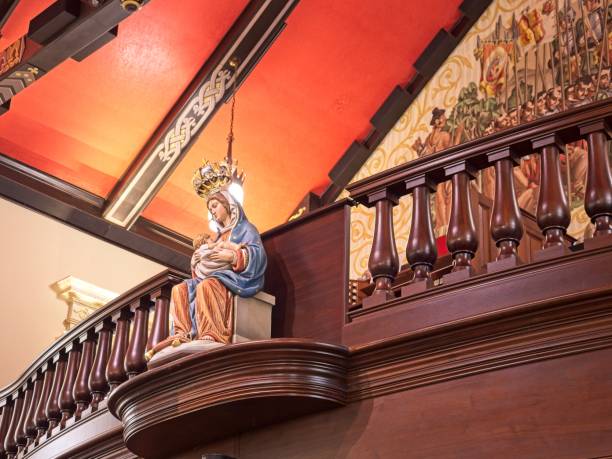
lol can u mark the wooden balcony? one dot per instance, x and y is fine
(488, 354)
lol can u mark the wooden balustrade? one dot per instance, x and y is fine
(506, 222)
(553, 212)
(67, 403)
(502, 150)
(30, 421)
(98, 384)
(42, 421)
(7, 413)
(421, 250)
(53, 411)
(384, 260)
(82, 394)
(20, 434)
(10, 442)
(135, 362)
(115, 371)
(161, 319)
(598, 196)
(461, 237)
(81, 367)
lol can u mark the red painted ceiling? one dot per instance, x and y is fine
(86, 121)
(311, 95)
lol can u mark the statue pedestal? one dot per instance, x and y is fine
(253, 317)
(252, 321)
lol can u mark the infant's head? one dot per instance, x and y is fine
(201, 240)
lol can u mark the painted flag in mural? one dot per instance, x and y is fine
(495, 61)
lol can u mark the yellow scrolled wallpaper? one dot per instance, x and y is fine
(523, 59)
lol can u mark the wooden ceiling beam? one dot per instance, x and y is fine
(6, 9)
(82, 210)
(67, 28)
(246, 42)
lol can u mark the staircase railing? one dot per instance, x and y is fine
(73, 377)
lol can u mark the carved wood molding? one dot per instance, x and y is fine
(97, 435)
(228, 390)
(575, 324)
(519, 287)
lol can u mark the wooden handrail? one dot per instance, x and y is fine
(151, 285)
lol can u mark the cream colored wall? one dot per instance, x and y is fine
(37, 251)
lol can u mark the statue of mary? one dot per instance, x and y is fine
(235, 263)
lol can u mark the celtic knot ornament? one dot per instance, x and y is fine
(193, 115)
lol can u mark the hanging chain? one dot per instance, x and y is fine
(230, 136)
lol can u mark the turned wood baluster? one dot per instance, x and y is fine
(66, 400)
(42, 422)
(53, 411)
(421, 250)
(553, 213)
(598, 196)
(10, 443)
(135, 361)
(30, 422)
(115, 371)
(82, 394)
(161, 320)
(506, 222)
(461, 238)
(20, 433)
(98, 384)
(384, 259)
(7, 413)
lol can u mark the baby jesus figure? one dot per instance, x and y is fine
(210, 256)
(205, 260)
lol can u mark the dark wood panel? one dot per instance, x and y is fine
(483, 294)
(553, 409)
(308, 274)
(227, 390)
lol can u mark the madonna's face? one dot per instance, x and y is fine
(217, 210)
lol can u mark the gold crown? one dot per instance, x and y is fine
(213, 177)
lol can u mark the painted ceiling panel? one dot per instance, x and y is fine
(85, 122)
(312, 94)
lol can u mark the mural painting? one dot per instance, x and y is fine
(522, 60)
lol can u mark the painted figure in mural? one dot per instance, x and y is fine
(593, 25)
(576, 154)
(565, 50)
(527, 181)
(605, 90)
(231, 263)
(437, 140)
